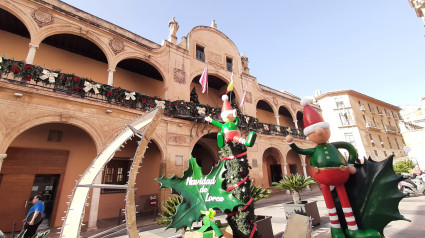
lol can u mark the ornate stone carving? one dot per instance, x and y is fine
(179, 76)
(213, 24)
(116, 45)
(275, 101)
(248, 97)
(42, 17)
(245, 62)
(176, 139)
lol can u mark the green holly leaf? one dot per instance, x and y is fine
(199, 192)
(373, 194)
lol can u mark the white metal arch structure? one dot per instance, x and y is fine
(142, 127)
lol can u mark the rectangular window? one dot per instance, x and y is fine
(389, 142)
(380, 140)
(371, 140)
(340, 104)
(116, 172)
(396, 142)
(200, 54)
(229, 64)
(376, 152)
(385, 153)
(350, 138)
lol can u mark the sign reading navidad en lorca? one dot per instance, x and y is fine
(199, 192)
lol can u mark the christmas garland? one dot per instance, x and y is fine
(23, 73)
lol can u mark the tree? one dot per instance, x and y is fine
(194, 97)
(240, 220)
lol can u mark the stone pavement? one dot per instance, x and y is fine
(412, 208)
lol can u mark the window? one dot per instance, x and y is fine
(376, 152)
(371, 140)
(380, 139)
(389, 142)
(385, 153)
(350, 138)
(200, 54)
(339, 103)
(364, 117)
(344, 118)
(116, 172)
(229, 64)
(396, 142)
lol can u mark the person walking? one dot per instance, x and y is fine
(34, 217)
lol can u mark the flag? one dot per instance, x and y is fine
(204, 79)
(244, 94)
(230, 86)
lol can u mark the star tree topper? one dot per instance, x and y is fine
(199, 193)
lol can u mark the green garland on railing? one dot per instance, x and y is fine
(74, 85)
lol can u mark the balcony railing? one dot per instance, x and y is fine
(362, 108)
(392, 129)
(380, 113)
(372, 125)
(388, 114)
(348, 123)
(371, 110)
(18, 72)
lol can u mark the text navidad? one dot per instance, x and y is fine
(204, 182)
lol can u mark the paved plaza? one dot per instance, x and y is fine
(412, 208)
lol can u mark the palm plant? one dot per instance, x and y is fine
(294, 183)
(258, 192)
(169, 210)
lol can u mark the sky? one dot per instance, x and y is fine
(375, 47)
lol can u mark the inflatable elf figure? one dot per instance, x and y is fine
(229, 130)
(329, 168)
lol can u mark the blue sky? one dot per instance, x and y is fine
(376, 47)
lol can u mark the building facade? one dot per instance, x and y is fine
(71, 81)
(412, 127)
(369, 124)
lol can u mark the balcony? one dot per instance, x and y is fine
(70, 85)
(362, 108)
(373, 126)
(371, 110)
(391, 129)
(388, 114)
(380, 113)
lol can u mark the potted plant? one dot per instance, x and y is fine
(295, 183)
(264, 223)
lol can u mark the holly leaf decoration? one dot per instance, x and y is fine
(199, 193)
(373, 194)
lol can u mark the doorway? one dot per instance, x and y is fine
(276, 172)
(45, 185)
(293, 169)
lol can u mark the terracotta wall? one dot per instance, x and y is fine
(20, 47)
(265, 116)
(139, 83)
(54, 58)
(286, 121)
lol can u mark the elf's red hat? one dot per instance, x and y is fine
(227, 109)
(312, 119)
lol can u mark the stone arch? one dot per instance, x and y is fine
(272, 166)
(29, 23)
(285, 117)
(15, 131)
(132, 55)
(294, 163)
(205, 150)
(136, 69)
(263, 113)
(56, 29)
(217, 96)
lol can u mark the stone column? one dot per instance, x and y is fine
(305, 173)
(296, 124)
(111, 76)
(31, 53)
(2, 157)
(277, 120)
(94, 204)
(285, 172)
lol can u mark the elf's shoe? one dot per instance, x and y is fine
(362, 233)
(220, 139)
(250, 140)
(337, 233)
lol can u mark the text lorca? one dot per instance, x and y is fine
(204, 181)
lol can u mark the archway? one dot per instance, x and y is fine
(13, 33)
(285, 117)
(300, 121)
(73, 54)
(293, 162)
(46, 160)
(140, 76)
(265, 112)
(272, 167)
(206, 152)
(216, 88)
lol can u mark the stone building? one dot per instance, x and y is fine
(71, 81)
(369, 124)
